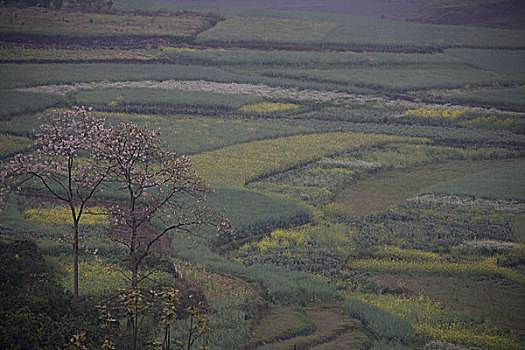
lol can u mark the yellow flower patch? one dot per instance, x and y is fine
(336, 236)
(435, 113)
(494, 122)
(283, 238)
(121, 115)
(10, 144)
(62, 216)
(237, 165)
(187, 49)
(95, 278)
(269, 107)
(433, 321)
(407, 254)
(486, 267)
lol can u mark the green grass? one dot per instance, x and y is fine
(482, 298)
(401, 34)
(15, 75)
(253, 213)
(398, 79)
(316, 183)
(383, 324)
(194, 134)
(517, 226)
(12, 219)
(9, 144)
(506, 98)
(20, 102)
(30, 75)
(354, 33)
(19, 53)
(501, 61)
(279, 324)
(503, 183)
(282, 285)
(434, 227)
(327, 323)
(266, 30)
(238, 165)
(324, 60)
(189, 134)
(386, 189)
(161, 101)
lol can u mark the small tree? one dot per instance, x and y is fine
(162, 192)
(64, 164)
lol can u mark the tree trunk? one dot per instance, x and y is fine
(132, 326)
(134, 267)
(75, 261)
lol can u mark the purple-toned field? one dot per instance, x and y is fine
(362, 8)
(487, 13)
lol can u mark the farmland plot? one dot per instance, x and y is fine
(375, 197)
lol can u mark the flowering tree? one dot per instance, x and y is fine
(64, 164)
(162, 192)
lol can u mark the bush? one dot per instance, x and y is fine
(36, 312)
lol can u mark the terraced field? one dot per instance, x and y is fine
(372, 171)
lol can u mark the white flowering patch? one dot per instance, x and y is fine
(197, 85)
(476, 202)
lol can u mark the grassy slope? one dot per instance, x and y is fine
(385, 189)
(504, 183)
(249, 207)
(481, 298)
(42, 21)
(349, 30)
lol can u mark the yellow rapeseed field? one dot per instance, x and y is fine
(485, 267)
(435, 113)
(11, 144)
(433, 321)
(62, 216)
(269, 107)
(237, 165)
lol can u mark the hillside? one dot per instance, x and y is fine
(334, 180)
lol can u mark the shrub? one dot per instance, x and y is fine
(36, 312)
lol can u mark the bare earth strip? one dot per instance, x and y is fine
(197, 85)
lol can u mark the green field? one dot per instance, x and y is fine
(400, 79)
(372, 172)
(354, 33)
(506, 98)
(504, 183)
(324, 60)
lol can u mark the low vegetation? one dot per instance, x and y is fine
(372, 178)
